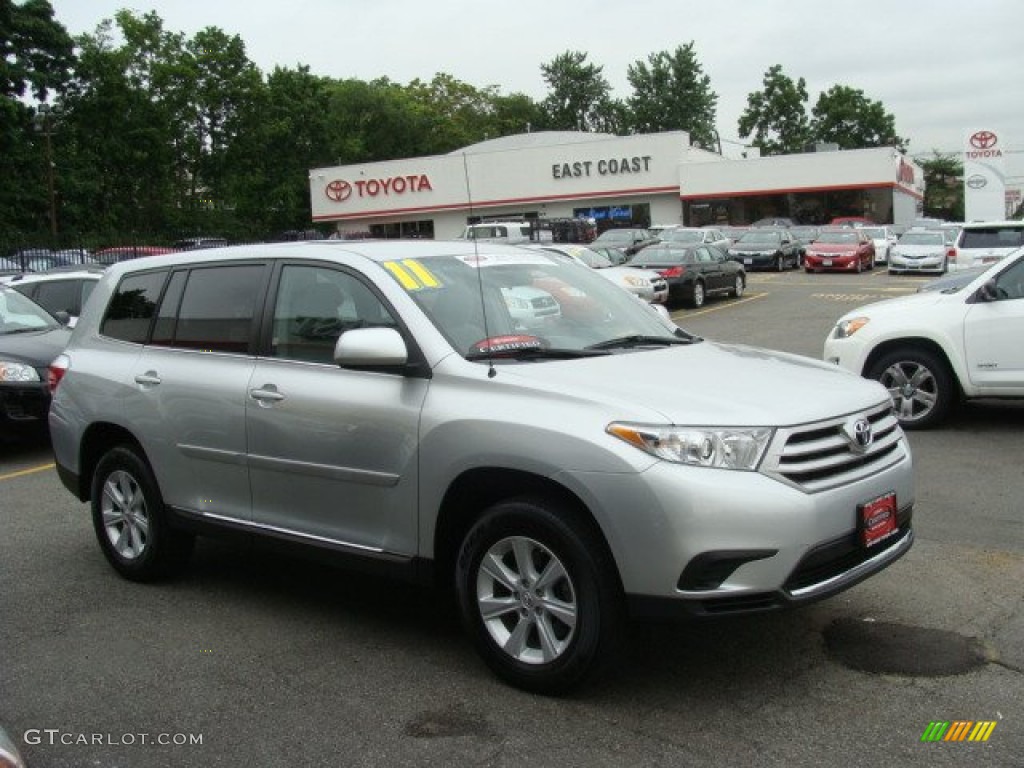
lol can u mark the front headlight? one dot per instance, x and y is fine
(11, 371)
(846, 328)
(721, 447)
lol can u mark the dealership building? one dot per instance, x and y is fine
(639, 180)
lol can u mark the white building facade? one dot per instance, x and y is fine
(635, 180)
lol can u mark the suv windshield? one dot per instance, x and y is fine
(537, 301)
(19, 314)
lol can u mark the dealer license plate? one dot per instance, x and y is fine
(748, 262)
(826, 262)
(876, 520)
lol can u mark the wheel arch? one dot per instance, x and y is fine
(477, 489)
(914, 342)
(99, 438)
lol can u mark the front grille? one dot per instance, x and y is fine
(816, 457)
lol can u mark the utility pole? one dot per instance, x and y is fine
(43, 124)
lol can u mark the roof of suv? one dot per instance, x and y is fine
(375, 250)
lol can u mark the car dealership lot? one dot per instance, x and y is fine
(272, 661)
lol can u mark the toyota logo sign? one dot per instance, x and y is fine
(338, 191)
(984, 140)
(977, 181)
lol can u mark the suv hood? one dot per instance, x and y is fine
(706, 383)
(37, 348)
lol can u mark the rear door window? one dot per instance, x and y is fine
(217, 308)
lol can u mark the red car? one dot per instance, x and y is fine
(840, 250)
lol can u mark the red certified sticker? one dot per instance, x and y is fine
(876, 520)
(498, 344)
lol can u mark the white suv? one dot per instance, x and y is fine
(934, 348)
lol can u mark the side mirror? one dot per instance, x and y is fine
(64, 318)
(370, 348)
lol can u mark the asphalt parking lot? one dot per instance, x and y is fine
(259, 660)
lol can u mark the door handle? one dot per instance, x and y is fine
(148, 379)
(266, 395)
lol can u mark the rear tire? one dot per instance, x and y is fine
(130, 519)
(920, 384)
(539, 595)
(697, 295)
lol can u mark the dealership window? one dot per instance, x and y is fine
(405, 230)
(612, 216)
(814, 207)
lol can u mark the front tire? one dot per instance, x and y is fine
(539, 595)
(130, 520)
(738, 286)
(920, 384)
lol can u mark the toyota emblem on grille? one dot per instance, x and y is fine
(859, 434)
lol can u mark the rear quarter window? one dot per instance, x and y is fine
(132, 307)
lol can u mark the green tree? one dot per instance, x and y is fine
(117, 139)
(845, 116)
(460, 113)
(36, 54)
(284, 132)
(944, 186)
(670, 93)
(776, 116)
(579, 96)
(517, 113)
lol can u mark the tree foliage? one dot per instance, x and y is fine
(777, 114)
(672, 93)
(845, 116)
(155, 134)
(944, 186)
(579, 96)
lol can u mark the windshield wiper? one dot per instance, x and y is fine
(24, 330)
(640, 340)
(534, 353)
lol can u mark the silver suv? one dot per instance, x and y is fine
(385, 402)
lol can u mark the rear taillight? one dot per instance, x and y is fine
(56, 372)
(672, 272)
(951, 254)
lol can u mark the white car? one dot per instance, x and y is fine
(530, 307)
(643, 283)
(696, 236)
(63, 289)
(884, 239)
(932, 349)
(986, 242)
(923, 250)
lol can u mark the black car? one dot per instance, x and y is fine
(30, 338)
(767, 248)
(628, 239)
(693, 273)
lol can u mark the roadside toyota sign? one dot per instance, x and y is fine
(984, 175)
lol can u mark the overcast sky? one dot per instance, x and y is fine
(940, 67)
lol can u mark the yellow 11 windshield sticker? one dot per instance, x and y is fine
(412, 275)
